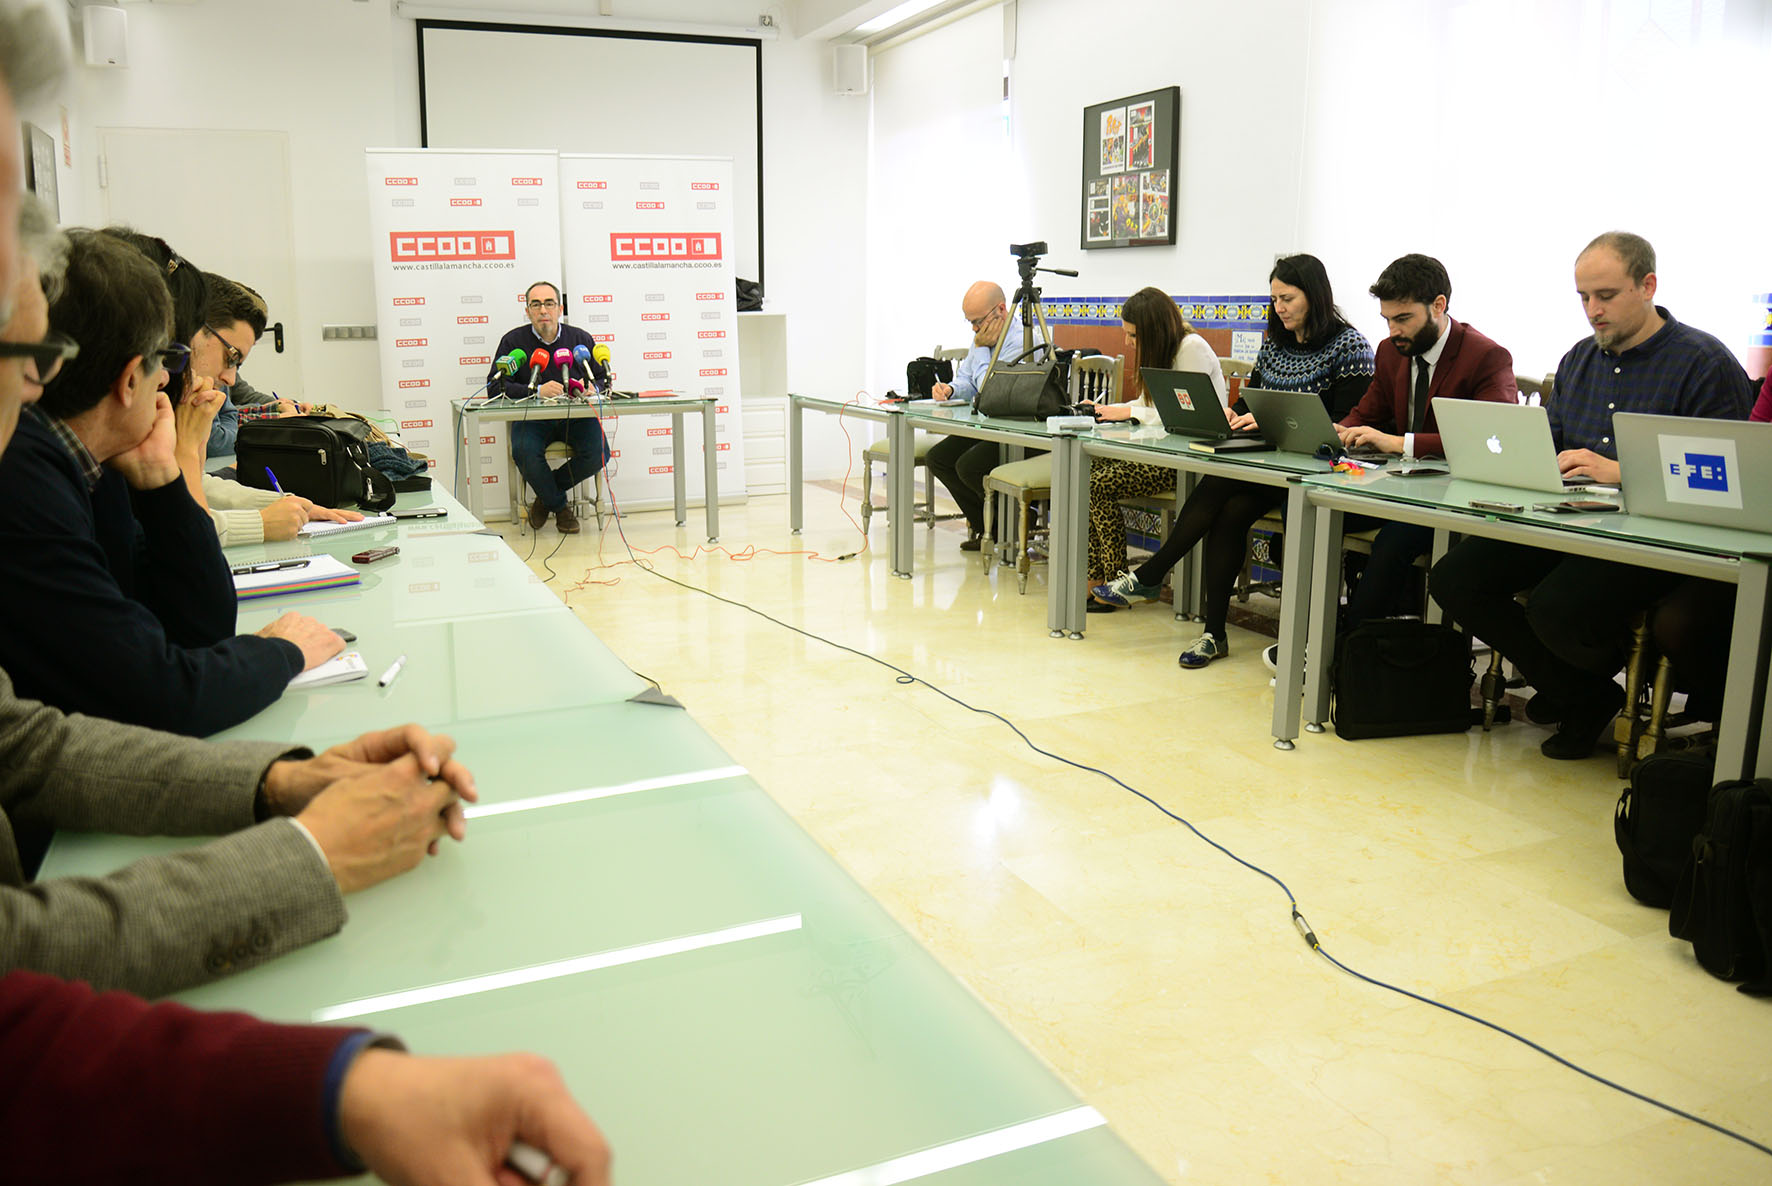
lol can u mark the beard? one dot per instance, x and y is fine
(1421, 343)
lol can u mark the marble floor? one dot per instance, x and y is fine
(1163, 980)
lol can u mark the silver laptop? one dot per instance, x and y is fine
(1695, 470)
(1292, 421)
(1501, 444)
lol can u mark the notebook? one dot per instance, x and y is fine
(1500, 444)
(1292, 421)
(1695, 470)
(317, 527)
(1188, 405)
(292, 576)
(340, 669)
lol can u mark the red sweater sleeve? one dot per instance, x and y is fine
(104, 1087)
(1763, 406)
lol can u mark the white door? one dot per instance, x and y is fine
(221, 199)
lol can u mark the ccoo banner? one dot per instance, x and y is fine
(647, 243)
(456, 237)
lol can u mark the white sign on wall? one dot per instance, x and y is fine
(649, 264)
(456, 237)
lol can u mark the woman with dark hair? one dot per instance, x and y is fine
(1310, 347)
(1159, 337)
(190, 294)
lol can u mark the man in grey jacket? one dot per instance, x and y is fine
(301, 830)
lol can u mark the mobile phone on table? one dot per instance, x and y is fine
(1485, 504)
(418, 512)
(1577, 506)
(371, 555)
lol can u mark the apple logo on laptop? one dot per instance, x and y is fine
(1494, 443)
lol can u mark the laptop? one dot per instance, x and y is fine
(1695, 470)
(1188, 405)
(1500, 444)
(1292, 421)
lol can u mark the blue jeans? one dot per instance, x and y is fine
(530, 440)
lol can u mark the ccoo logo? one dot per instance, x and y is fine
(451, 246)
(700, 246)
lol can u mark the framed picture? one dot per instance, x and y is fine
(1130, 158)
(40, 167)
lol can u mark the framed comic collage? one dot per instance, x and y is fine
(1129, 160)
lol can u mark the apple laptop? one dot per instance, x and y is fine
(1695, 470)
(1500, 444)
(1188, 404)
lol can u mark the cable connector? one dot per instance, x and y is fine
(849, 555)
(1304, 929)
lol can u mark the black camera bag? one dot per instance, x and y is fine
(922, 374)
(1658, 814)
(322, 458)
(1401, 677)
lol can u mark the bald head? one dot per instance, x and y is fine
(984, 311)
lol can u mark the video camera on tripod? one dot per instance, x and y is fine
(1019, 389)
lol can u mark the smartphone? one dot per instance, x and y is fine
(344, 634)
(1577, 507)
(1484, 504)
(419, 512)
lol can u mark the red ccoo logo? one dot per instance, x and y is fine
(655, 317)
(711, 372)
(710, 296)
(404, 343)
(711, 333)
(658, 432)
(525, 181)
(704, 245)
(464, 201)
(472, 320)
(415, 424)
(409, 301)
(415, 382)
(658, 469)
(475, 360)
(593, 185)
(597, 298)
(399, 181)
(699, 185)
(656, 354)
(649, 205)
(427, 246)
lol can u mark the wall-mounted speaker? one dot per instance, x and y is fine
(107, 35)
(849, 69)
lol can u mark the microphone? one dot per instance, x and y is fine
(582, 356)
(563, 360)
(506, 366)
(514, 360)
(600, 352)
(538, 363)
(575, 386)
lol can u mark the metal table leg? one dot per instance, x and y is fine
(710, 465)
(679, 480)
(1742, 736)
(1325, 598)
(1300, 532)
(901, 497)
(796, 468)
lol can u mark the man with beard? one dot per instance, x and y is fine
(1570, 638)
(1427, 356)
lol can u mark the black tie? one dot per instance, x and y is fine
(1418, 404)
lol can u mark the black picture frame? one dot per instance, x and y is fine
(1131, 158)
(40, 168)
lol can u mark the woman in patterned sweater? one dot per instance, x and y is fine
(1310, 347)
(1161, 338)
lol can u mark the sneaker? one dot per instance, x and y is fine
(538, 515)
(566, 521)
(1270, 655)
(1204, 649)
(1124, 591)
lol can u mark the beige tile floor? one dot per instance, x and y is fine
(1164, 981)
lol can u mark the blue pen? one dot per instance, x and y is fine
(274, 484)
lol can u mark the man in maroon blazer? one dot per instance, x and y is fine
(1427, 356)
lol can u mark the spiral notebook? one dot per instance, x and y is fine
(275, 577)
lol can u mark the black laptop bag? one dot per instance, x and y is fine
(322, 458)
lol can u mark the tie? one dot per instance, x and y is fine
(1418, 399)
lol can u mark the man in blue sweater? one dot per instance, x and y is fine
(531, 438)
(126, 605)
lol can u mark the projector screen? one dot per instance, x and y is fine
(581, 90)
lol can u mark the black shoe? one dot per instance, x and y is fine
(1584, 720)
(1544, 709)
(1096, 607)
(972, 543)
(538, 514)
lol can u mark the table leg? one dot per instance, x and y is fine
(1301, 530)
(470, 430)
(710, 464)
(1058, 539)
(1076, 533)
(1742, 735)
(901, 495)
(796, 468)
(679, 480)
(1319, 653)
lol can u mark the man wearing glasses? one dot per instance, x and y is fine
(961, 463)
(530, 438)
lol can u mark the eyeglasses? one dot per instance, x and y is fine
(233, 357)
(976, 322)
(539, 305)
(48, 355)
(175, 357)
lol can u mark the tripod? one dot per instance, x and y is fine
(1027, 301)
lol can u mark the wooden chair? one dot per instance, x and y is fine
(880, 453)
(1029, 482)
(1642, 724)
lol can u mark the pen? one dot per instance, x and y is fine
(273, 566)
(534, 1165)
(389, 675)
(274, 483)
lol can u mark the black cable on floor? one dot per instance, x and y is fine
(1298, 920)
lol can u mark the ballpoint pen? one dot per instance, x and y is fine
(271, 566)
(389, 675)
(275, 485)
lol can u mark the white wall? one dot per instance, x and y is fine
(340, 76)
